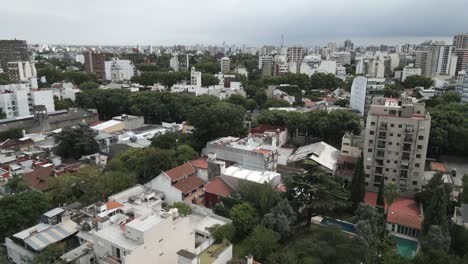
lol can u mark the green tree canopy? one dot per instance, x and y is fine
(244, 219)
(417, 81)
(74, 142)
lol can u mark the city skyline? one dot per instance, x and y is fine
(207, 22)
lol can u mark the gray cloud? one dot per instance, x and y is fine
(251, 22)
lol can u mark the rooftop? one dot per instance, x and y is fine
(40, 236)
(219, 187)
(406, 212)
(251, 175)
(181, 171)
(210, 255)
(189, 184)
(200, 163)
(320, 152)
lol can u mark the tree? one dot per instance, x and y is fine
(261, 196)
(276, 102)
(393, 90)
(13, 133)
(243, 218)
(183, 209)
(51, 254)
(219, 120)
(391, 194)
(185, 153)
(417, 81)
(262, 242)
(436, 212)
(237, 99)
(16, 184)
(358, 188)
(64, 104)
(281, 219)
(316, 191)
(89, 86)
(342, 102)
(437, 238)
(21, 211)
(75, 142)
(222, 232)
(209, 80)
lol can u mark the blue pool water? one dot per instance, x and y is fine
(345, 226)
(406, 247)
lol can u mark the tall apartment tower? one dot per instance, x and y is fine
(225, 64)
(12, 50)
(348, 45)
(396, 140)
(436, 60)
(95, 63)
(461, 41)
(295, 54)
(195, 77)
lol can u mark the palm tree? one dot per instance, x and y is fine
(391, 193)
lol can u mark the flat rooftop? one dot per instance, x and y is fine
(250, 175)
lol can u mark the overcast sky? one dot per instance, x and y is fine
(250, 22)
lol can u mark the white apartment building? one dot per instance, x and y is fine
(341, 57)
(242, 70)
(363, 90)
(437, 61)
(21, 71)
(409, 71)
(463, 88)
(295, 54)
(396, 140)
(195, 78)
(140, 231)
(180, 62)
(328, 66)
(264, 59)
(225, 63)
(119, 70)
(20, 102)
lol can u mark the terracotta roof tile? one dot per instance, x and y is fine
(405, 211)
(438, 166)
(219, 187)
(189, 184)
(201, 163)
(262, 128)
(181, 171)
(39, 178)
(112, 205)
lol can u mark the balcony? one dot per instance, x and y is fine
(409, 130)
(383, 127)
(408, 139)
(407, 147)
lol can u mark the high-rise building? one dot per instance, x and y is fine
(341, 57)
(18, 100)
(409, 71)
(348, 45)
(331, 46)
(119, 70)
(363, 91)
(295, 54)
(396, 140)
(437, 61)
(94, 63)
(462, 59)
(21, 71)
(195, 77)
(463, 86)
(461, 41)
(225, 64)
(263, 59)
(12, 50)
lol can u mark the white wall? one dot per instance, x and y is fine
(44, 97)
(163, 183)
(358, 94)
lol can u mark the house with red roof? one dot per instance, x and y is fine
(180, 184)
(38, 179)
(404, 216)
(215, 189)
(201, 166)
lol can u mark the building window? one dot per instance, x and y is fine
(391, 134)
(397, 153)
(418, 156)
(396, 162)
(421, 137)
(400, 126)
(415, 183)
(345, 151)
(419, 146)
(371, 141)
(399, 135)
(390, 143)
(398, 144)
(372, 123)
(388, 161)
(368, 167)
(394, 171)
(392, 125)
(367, 175)
(371, 132)
(369, 150)
(386, 169)
(416, 165)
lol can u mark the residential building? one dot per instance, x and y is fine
(331, 46)
(264, 59)
(295, 54)
(95, 63)
(460, 41)
(55, 226)
(215, 189)
(180, 62)
(396, 141)
(12, 50)
(225, 63)
(462, 61)
(437, 61)
(137, 230)
(358, 94)
(321, 153)
(327, 66)
(195, 77)
(394, 61)
(180, 184)
(251, 152)
(463, 88)
(21, 71)
(409, 71)
(351, 150)
(348, 45)
(21, 102)
(242, 70)
(234, 174)
(119, 70)
(341, 57)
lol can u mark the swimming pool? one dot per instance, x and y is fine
(406, 247)
(345, 226)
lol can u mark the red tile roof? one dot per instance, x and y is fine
(219, 187)
(371, 199)
(200, 163)
(438, 166)
(39, 178)
(181, 171)
(262, 128)
(263, 151)
(189, 184)
(112, 205)
(406, 212)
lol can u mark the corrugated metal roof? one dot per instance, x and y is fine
(51, 235)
